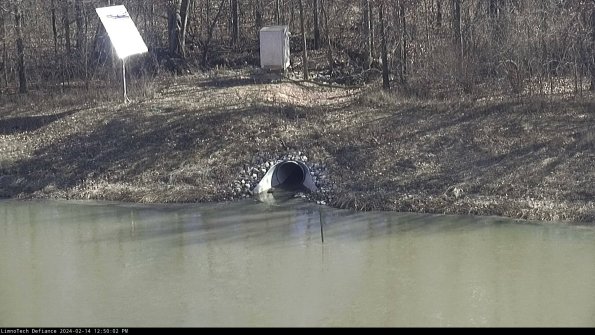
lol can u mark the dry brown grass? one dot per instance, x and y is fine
(190, 138)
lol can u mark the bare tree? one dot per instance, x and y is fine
(174, 25)
(532, 42)
(258, 15)
(304, 45)
(402, 23)
(235, 21)
(66, 26)
(80, 29)
(457, 30)
(592, 60)
(177, 26)
(316, 10)
(366, 33)
(211, 27)
(385, 71)
(54, 27)
(3, 64)
(18, 24)
(184, 13)
(329, 45)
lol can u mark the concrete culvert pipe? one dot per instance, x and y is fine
(288, 176)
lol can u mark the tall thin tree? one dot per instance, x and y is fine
(66, 26)
(80, 25)
(385, 72)
(592, 63)
(457, 31)
(54, 27)
(258, 15)
(4, 63)
(235, 21)
(316, 9)
(174, 24)
(402, 22)
(184, 14)
(18, 20)
(210, 30)
(304, 44)
(367, 41)
(372, 31)
(329, 44)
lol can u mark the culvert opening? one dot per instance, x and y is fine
(289, 176)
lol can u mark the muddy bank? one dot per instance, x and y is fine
(198, 137)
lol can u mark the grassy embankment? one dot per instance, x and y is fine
(188, 140)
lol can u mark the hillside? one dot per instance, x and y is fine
(194, 137)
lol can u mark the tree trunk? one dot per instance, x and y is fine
(174, 23)
(403, 43)
(372, 33)
(184, 13)
(66, 24)
(206, 18)
(258, 16)
(18, 20)
(291, 17)
(438, 13)
(235, 21)
(278, 11)
(86, 50)
(329, 50)
(316, 9)
(366, 34)
(54, 28)
(494, 8)
(80, 29)
(592, 65)
(4, 65)
(205, 50)
(457, 33)
(385, 74)
(153, 38)
(304, 46)
(457, 36)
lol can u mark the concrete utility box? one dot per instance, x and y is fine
(274, 47)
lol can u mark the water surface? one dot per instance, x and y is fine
(252, 264)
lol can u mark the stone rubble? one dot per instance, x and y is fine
(252, 173)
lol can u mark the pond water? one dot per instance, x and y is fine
(254, 264)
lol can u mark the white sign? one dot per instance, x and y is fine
(121, 30)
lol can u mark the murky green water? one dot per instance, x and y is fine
(251, 264)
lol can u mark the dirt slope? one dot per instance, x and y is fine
(521, 158)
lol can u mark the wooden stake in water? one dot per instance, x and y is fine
(321, 226)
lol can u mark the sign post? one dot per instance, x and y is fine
(124, 79)
(123, 34)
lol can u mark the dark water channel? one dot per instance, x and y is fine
(253, 264)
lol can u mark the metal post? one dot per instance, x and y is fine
(124, 79)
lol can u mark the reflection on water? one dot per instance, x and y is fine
(252, 264)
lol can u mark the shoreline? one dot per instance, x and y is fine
(540, 212)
